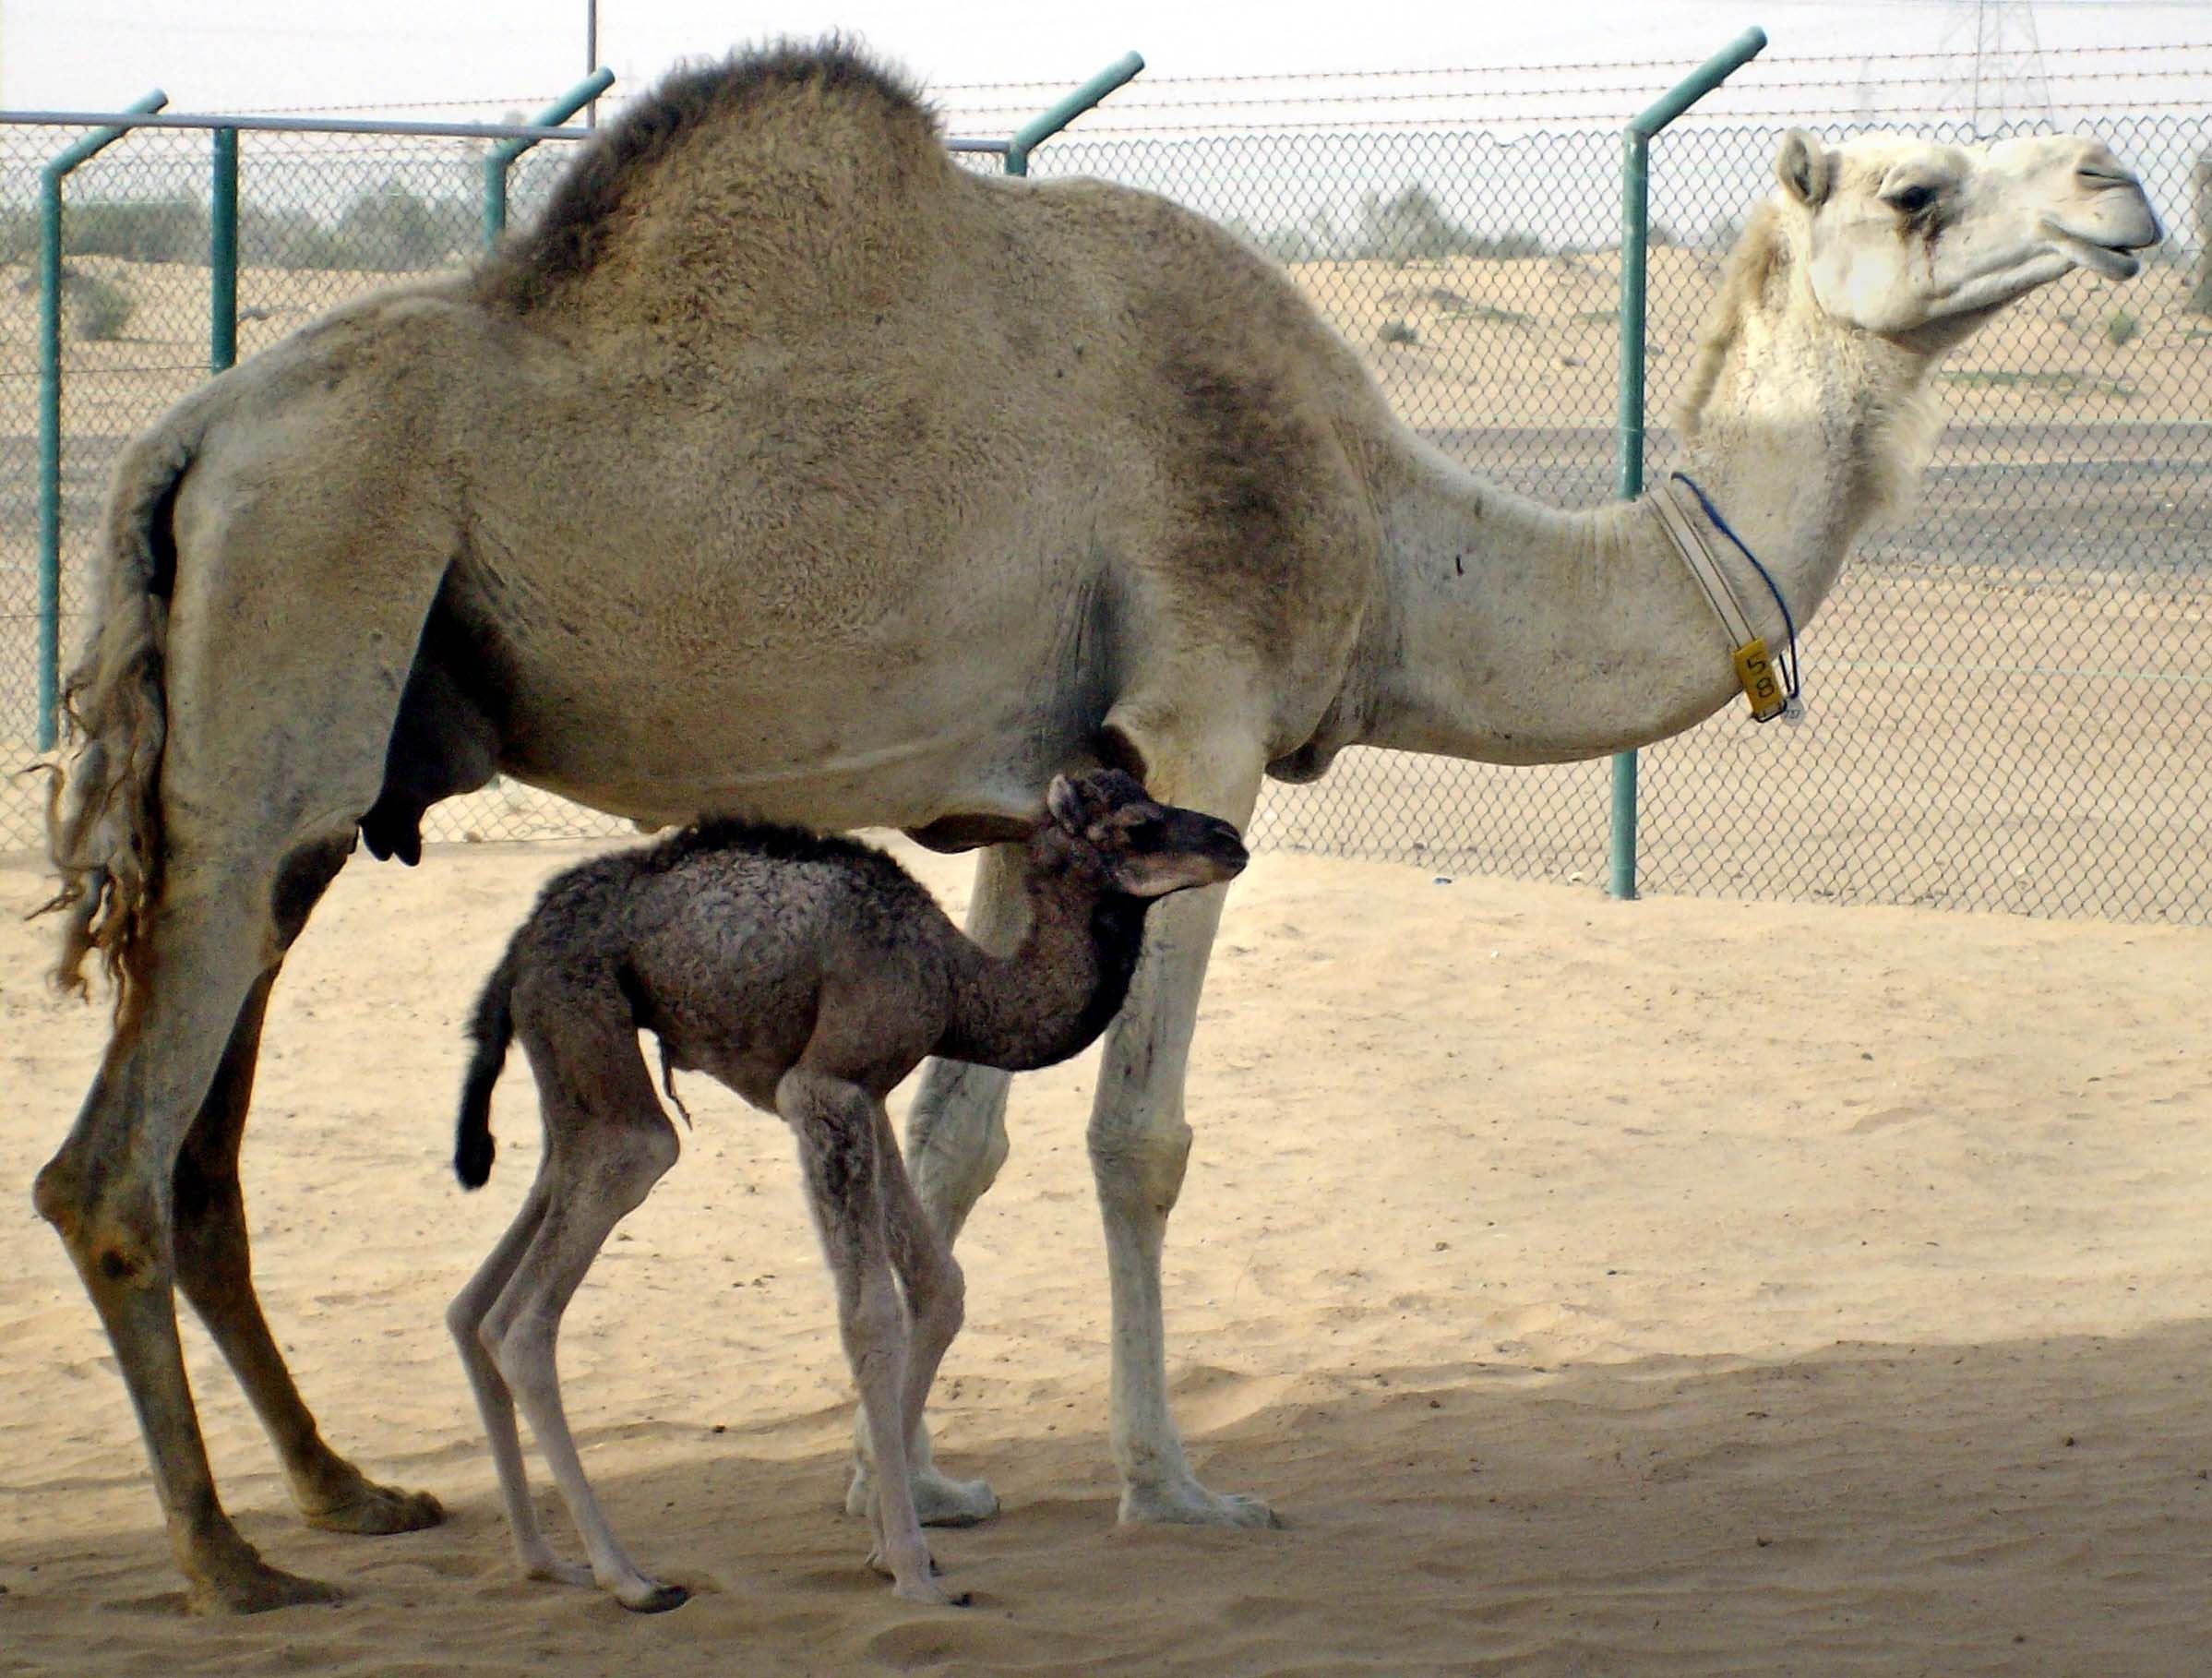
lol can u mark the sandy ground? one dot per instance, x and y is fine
(1681, 1287)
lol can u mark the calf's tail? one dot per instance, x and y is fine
(493, 1029)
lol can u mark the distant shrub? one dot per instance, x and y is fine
(1411, 226)
(2120, 328)
(1287, 242)
(150, 230)
(389, 230)
(392, 230)
(1398, 331)
(287, 238)
(1508, 246)
(100, 308)
(1290, 243)
(19, 234)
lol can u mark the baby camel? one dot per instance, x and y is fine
(810, 975)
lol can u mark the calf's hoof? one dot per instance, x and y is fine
(654, 1599)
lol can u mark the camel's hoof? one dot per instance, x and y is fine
(655, 1598)
(256, 1590)
(937, 1502)
(367, 1507)
(930, 1594)
(1187, 1504)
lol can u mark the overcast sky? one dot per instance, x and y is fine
(255, 55)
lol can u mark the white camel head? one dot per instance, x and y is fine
(1921, 241)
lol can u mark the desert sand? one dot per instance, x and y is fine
(1677, 1287)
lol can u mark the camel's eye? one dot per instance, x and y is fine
(1140, 830)
(1910, 198)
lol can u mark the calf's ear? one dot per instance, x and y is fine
(1066, 803)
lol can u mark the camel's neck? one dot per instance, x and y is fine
(1054, 994)
(1516, 633)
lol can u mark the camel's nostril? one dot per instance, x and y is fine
(2099, 176)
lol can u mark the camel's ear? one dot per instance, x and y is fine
(1066, 802)
(1805, 168)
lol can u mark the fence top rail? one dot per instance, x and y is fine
(337, 125)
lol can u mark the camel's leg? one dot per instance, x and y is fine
(836, 1124)
(110, 1193)
(936, 1291)
(608, 1142)
(465, 1318)
(956, 1129)
(214, 1269)
(955, 1144)
(1140, 1144)
(280, 701)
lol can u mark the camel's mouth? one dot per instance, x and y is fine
(2114, 261)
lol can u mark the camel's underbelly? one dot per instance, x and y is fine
(899, 724)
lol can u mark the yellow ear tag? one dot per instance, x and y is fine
(1760, 686)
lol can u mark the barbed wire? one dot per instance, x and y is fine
(1135, 103)
(938, 92)
(525, 104)
(1467, 122)
(1598, 63)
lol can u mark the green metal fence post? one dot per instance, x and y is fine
(50, 407)
(222, 253)
(1635, 214)
(500, 158)
(1047, 123)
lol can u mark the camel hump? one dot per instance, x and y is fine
(769, 171)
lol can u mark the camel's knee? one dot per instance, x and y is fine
(117, 1239)
(464, 1322)
(611, 1164)
(57, 1194)
(638, 1157)
(1140, 1171)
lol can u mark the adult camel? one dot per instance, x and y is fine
(784, 467)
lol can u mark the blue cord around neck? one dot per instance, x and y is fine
(1790, 670)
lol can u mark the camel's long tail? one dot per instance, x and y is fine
(103, 819)
(493, 1029)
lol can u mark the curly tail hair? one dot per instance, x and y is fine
(104, 818)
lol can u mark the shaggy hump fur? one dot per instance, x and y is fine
(697, 104)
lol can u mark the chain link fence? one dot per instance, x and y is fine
(2009, 693)
(322, 218)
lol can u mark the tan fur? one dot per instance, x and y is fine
(1745, 280)
(784, 467)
